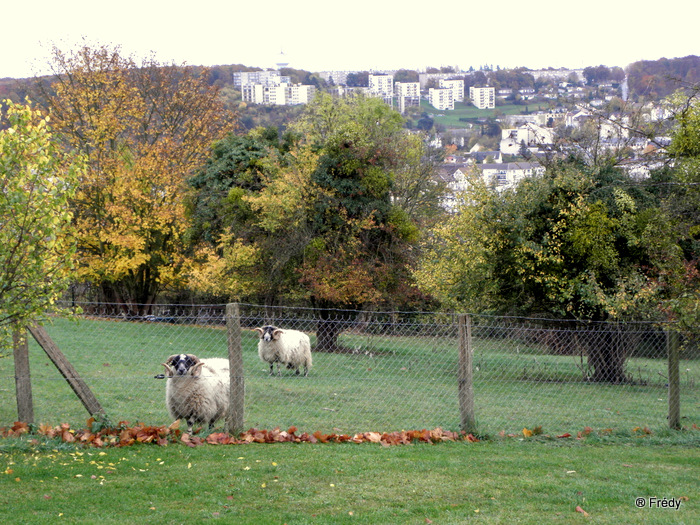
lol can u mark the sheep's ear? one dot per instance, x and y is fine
(260, 331)
(168, 369)
(170, 359)
(277, 333)
(196, 370)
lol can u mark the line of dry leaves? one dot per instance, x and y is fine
(123, 435)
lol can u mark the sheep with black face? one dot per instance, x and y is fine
(290, 348)
(197, 390)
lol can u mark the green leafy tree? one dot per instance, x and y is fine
(571, 244)
(255, 249)
(406, 75)
(676, 244)
(359, 253)
(37, 248)
(330, 221)
(358, 79)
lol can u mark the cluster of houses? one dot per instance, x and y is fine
(524, 141)
(528, 142)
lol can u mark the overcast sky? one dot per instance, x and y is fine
(320, 35)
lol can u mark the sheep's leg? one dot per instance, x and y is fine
(272, 368)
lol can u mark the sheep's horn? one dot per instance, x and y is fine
(168, 369)
(197, 369)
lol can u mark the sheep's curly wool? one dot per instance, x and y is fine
(290, 348)
(196, 390)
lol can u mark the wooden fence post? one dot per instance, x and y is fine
(23, 383)
(465, 375)
(674, 380)
(236, 407)
(70, 374)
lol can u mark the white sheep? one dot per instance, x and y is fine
(197, 390)
(290, 348)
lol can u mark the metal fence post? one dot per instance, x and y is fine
(23, 383)
(465, 376)
(674, 379)
(235, 415)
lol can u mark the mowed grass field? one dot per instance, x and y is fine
(615, 474)
(500, 481)
(465, 114)
(385, 384)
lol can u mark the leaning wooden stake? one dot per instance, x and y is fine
(465, 376)
(236, 407)
(674, 380)
(79, 386)
(23, 383)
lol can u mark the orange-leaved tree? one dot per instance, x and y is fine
(144, 128)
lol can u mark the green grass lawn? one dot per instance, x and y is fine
(500, 481)
(470, 114)
(389, 383)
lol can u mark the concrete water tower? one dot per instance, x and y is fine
(282, 61)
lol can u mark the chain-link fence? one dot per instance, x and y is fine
(372, 371)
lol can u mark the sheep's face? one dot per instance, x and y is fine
(182, 364)
(268, 333)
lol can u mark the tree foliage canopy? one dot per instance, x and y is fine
(327, 213)
(570, 244)
(36, 244)
(144, 128)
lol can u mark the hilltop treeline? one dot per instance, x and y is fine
(647, 79)
(656, 79)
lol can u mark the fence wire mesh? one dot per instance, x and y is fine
(371, 371)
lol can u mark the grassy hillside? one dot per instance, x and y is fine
(466, 114)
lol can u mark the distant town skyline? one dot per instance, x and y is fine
(364, 35)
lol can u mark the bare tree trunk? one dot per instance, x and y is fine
(330, 325)
(327, 332)
(607, 355)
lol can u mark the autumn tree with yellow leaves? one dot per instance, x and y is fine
(144, 129)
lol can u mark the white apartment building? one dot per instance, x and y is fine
(279, 95)
(424, 78)
(457, 87)
(484, 97)
(381, 85)
(253, 93)
(441, 98)
(275, 95)
(300, 94)
(266, 78)
(529, 134)
(337, 78)
(407, 95)
(508, 175)
(407, 89)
